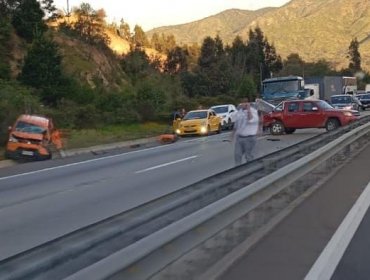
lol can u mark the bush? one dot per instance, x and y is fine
(15, 100)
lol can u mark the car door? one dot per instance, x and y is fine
(311, 115)
(292, 116)
(214, 120)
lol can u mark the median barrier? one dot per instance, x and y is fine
(153, 253)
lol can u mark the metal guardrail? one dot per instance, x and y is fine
(197, 227)
(207, 203)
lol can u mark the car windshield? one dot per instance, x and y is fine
(22, 126)
(220, 110)
(195, 115)
(281, 89)
(341, 99)
(324, 105)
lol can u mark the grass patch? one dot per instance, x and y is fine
(111, 134)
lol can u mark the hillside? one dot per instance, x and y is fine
(227, 24)
(315, 29)
(90, 64)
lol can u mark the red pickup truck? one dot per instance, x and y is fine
(291, 115)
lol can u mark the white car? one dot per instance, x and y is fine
(227, 114)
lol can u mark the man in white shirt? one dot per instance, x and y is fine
(247, 126)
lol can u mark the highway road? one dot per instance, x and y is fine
(40, 201)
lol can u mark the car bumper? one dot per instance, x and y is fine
(33, 152)
(191, 131)
(349, 120)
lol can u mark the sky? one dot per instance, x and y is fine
(156, 13)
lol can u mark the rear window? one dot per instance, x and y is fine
(220, 110)
(341, 99)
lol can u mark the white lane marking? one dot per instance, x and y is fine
(165, 164)
(83, 162)
(325, 265)
(90, 160)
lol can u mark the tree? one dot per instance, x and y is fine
(237, 52)
(293, 65)
(273, 62)
(319, 68)
(28, 19)
(354, 56)
(176, 61)
(136, 64)
(262, 59)
(208, 53)
(156, 42)
(5, 47)
(150, 99)
(42, 68)
(214, 68)
(124, 30)
(90, 25)
(49, 9)
(139, 38)
(193, 55)
(7, 7)
(169, 42)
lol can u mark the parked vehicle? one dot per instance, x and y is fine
(364, 99)
(325, 86)
(199, 122)
(227, 115)
(32, 137)
(291, 115)
(346, 102)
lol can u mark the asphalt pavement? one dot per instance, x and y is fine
(292, 247)
(40, 201)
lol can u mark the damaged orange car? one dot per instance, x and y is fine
(33, 137)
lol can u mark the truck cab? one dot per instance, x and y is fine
(275, 90)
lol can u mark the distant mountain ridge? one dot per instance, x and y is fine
(227, 24)
(315, 29)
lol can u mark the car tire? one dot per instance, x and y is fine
(289, 130)
(277, 128)
(229, 124)
(208, 130)
(331, 124)
(219, 129)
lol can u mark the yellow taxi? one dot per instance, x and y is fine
(199, 122)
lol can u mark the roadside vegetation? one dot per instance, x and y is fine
(62, 67)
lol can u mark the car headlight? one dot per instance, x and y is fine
(348, 114)
(203, 129)
(178, 131)
(13, 139)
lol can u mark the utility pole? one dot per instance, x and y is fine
(68, 14)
